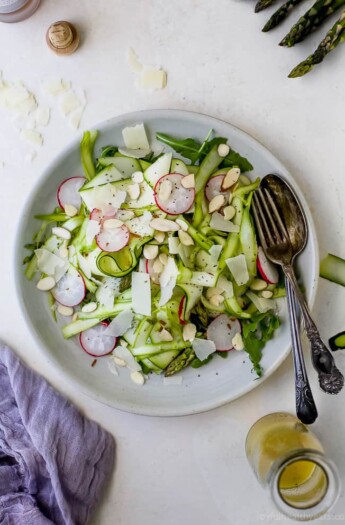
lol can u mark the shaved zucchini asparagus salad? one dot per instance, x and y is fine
(153, 260)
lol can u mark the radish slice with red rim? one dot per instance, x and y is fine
(268, 271)
(99, 216)
(113, 240)
(222, 330)
(214, 188)
(180, 199)
(181, 310)
(70, 290)
(95, 343)
(68, 192)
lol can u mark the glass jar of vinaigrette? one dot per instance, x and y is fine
(289, 459)
(17, 10)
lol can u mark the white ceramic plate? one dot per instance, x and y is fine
(222, 380)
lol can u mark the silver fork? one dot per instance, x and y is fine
(277, 247)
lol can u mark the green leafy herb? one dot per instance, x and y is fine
(256, 332)
(224, 355)
(196, 363)
(195, 151)
(109, 151)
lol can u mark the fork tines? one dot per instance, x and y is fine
(271, 228)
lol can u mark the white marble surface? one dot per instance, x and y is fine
(189, 470)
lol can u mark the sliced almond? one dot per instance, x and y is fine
(112, 224)
(267, 294)
(89, 307)
(157, 266)
(229, 213)
(45, 284)
(165, 335)
(133, 191)
(258, 285)
(210, 292)
(65, 311)
(137, 378)
(189, 332)
(123, 342)
(223, 150)
(164, 225)
(138, 177)
(150, 251)
(159, 237)
(163, 257)
(216, 300)
(185, 238)
(74, 317)
(165, 189)
(119, 362)
(216, 203)
(183, 225)
(61, 232)
(237, 342)
(231, 178)
(70, 210)
(63, 251)
(188, 181)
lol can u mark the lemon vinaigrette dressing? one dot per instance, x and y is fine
(287, 457)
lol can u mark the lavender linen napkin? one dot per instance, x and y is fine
(53, 461)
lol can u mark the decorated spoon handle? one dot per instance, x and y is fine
(305, 405)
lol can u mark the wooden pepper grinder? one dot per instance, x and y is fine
(63, 38)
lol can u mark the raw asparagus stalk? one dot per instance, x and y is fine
(311, 21)
(280, 15)
(334, 37)
(262, 4)
(180, 362)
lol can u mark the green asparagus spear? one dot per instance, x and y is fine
(262, 4)
(311, 21)
(280, 14)
(334, 37)
(180, 362)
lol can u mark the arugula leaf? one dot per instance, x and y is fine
(196, 363)
(256, 332)
(195, 151)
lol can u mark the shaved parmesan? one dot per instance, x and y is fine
(51, 264)
(123, 353)
(42, 116)
(203, 279)
(173, 243)
(141, 293)
(112, 366)
(226, 286)
(101, 197)
(219, 223)
(215, 251)
(151, 78)
(55, 86)
(133, 61)
(263, 305)
(107, 291)
(167, 291)
(84, 265)
(120, 324)
(140, 226)
(170, 271)
(172, 380)
(203, 348)
(238, 268)
(92, 229)
(69, 102)
(33, 137)
(135, 137)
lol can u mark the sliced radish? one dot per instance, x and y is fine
(222, 330)
(268, 271)
(113, 240)
(214, 188)
(180, 199)
(181, 310)
(94, 342)
(100, 216)
(70, 290)
(154, 276)
(68, 192)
